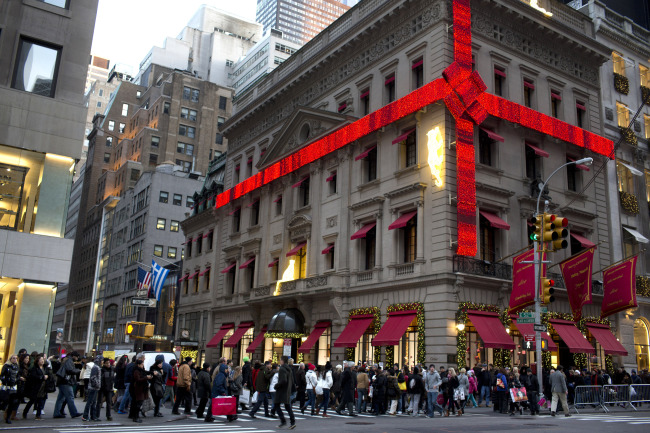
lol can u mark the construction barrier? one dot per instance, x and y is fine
(617, 394)
(588, 395)
(639, 393)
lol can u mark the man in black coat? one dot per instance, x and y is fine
(247, 378)
(347, 390)
(283, 393)
(301, 384)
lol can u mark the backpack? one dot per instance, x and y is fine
(95, 378)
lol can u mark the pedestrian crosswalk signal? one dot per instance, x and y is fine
(544, 344)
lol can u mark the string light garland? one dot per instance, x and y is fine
(283, 335)
(463, 92)
(621, 84)
(628, 135)
(375, 325)
(645, 94)
(642, 286)
(461, 337)
(421, 350)
(629, 202)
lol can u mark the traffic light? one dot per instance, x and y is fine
(544, 344)
(536, 222)
(548, 233)
(129, 328)
(139, 329)
(547, 290)
(560, 241)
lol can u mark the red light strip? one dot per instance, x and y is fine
(465, 97)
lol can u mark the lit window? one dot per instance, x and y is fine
(171, 252)
(155, 141)
(36, 67)
(161, 224)
(158, 250)
(125, 109)
(177, 200)
(164, 197)
(625, 177)
(645, 76)
(122, 126)
(619, 63)
(623, 115)
(173, 226)
(111, 125)
(646, 121)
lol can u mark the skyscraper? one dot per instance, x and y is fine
(300, 20)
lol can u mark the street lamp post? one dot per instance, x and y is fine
(538, 269)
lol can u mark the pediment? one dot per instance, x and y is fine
(299, 221)
(305, 126)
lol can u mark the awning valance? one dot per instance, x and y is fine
(256, 341)
(403, 220)
(579, 166)
(530, 85)
(234, 211)
(363, 231)
(274, 262)
(331, 177)
(493, 135)
(295, 249)
(604, 335)
(327, 249)
(214, 341)
(538, 151)
(491, 330)
(494, 220)
(404, 136)
(572, 336)
(391, 333)
(208, 234)
(584, 242)
(238, 334)
(355, 328)
(499, 72)
(297, 184)
(205, 271)
(247, 262)
(365, 153)
(229, 267)
(319, 329)
(637, 236)
(193, 275)
(184, 277)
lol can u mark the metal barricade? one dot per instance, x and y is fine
(617, 394)
(588, 395)
(639, 393)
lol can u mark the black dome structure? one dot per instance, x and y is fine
(288, 321)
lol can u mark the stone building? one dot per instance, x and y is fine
(44, 50)
(339, 223)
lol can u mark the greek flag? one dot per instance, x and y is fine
(159, 277)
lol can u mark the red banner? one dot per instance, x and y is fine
(619, 288)
(576, 273)
(523, 282)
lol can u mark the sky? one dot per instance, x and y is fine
(125, 30)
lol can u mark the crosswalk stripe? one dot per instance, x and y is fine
(179, 428)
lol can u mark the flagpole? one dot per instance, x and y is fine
(569, 258)
(514, 254)
(620, 261)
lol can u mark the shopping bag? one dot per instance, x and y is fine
(370, 392)
(542, 401)
(459, 394)
(518, 395)
(224, 405)
(441, 399)
(148, 404)
(254, 397)
(245, 396)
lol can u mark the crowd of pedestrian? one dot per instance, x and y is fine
(124, 386)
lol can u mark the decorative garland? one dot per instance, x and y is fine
(642, 286)
(283, 335)
(421, 350)
(621, 83)
(375, 325)
(580, 360)
(461, 338)
(645, 94)
(629, 203)
(628, 135)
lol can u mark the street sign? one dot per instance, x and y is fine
(543, 309)
(527, 315)
(142, 293)
(530, 345)
(144, 302)
(287, 347)
(525, 320)
(529, 338)
(540, 328)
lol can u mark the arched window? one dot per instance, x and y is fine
(642, 343)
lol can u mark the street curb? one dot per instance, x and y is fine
(59, 426)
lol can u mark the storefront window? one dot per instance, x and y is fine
(477, 353)
(365, 352)
(245, 341)
(642, 343)
(405, 353)
(323, 347)
(273, 348)
(226, 352)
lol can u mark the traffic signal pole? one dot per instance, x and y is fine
(539, 258)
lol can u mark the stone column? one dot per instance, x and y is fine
(379, 240)
(420, 231)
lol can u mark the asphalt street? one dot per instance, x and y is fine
(476, 420)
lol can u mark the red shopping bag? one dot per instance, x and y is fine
(224, 406)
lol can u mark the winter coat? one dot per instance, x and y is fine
(220, 383)
(172, 377)
(67, 373)
(328, 380)
(203, 384)
(284, 386)
(505, 383)
(237, 385)
(311, 379)
(128, 372)
(95, 378)
(379, 387)
(140, 384)
(119, 377)
(347, 385)
(301, 380)
(263, 380)
(362, 381)
(393, 384)
(35, 380)
(336, 382)
(107, 379)
(472, 384)
(416, 384)
(85, 372)
(558, 382)
(531, 384)
(463, 382)
(432, 382)
(156, 381)
(247, 373)
(451, 386)
(184, 376)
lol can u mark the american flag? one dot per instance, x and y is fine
(144, 279)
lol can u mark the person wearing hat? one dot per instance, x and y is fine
(184, 385)
(66, 377)
(311, 381)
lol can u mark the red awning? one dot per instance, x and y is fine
(556, 96)
(493, 135)
(343, 106)
(538, 151)
(365, 153)
(403, 136)
(278, 198)
(355, 328)
(274, 262)
(528, 329)
(295, 249)
(494, 220)
(581, 107)
(235, 211)
(331, 178)
(389, 80)
(297, 184)
(247, 262)
(184, 277)
(229, 267)
(491, 330)
(214, 342)
(586, 243)
(257, 341)
(253, 202)
(208, 234)
(329, 248)
(319, 328)
(364, 231)
(417, 64)
(238, 334)
(237, 167)
(402, 220)
(191, 277)
(187, 241)
(205, 271)
(365, 94)
(579, 166)
(499, 72)
(529, 85)
(606, 339)
(391, 333)
(572, 336)
(198, 238)
(250, 159)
